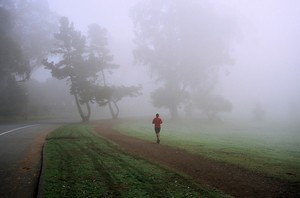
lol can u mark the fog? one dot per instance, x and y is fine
(264, 51)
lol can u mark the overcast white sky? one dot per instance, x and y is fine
(267, 59)
(267, 65)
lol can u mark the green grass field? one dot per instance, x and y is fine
(78, 163)
(271, 149)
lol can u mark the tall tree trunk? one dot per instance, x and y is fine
(113, 113)
(89, 111)
(84, 118)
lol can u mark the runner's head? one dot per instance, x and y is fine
(157, 115)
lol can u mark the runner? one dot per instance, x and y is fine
(157, 121)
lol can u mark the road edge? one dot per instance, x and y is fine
(39, 192)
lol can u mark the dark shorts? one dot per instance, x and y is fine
(157, 130)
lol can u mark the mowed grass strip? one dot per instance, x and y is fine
(272, 149)
(79, 163)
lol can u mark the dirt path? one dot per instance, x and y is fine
(232, 180)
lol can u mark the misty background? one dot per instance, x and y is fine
(259, 78)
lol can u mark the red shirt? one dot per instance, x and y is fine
(157, 122)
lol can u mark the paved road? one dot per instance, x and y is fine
(20, 157)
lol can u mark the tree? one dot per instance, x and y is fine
(101, 59)
(110, 96)
(211, 105)
(84, 63)
(12, 61)
(13, 68)
(31, 28)
(169, 97)
(69, 48)
(35, 25)
(24, 37)
(184, 43)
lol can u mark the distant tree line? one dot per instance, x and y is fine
(184, 43)
(177, 40)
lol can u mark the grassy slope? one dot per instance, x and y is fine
(269, 149)
(81, 164)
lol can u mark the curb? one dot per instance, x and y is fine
(40, 187)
